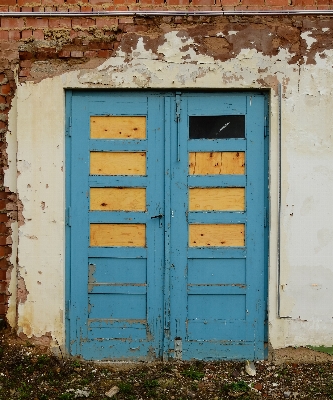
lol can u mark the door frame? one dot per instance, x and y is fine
(68, 144)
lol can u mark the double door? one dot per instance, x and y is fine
(166, 229)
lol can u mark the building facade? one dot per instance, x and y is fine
(167, 176)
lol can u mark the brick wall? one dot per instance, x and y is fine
(7, 199)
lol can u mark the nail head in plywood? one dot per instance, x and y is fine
(124, 235)
(117, 127)
(216, 163)
(118, 199)
(202, 235)
(218, 199)
(233, 163)
(117, 163)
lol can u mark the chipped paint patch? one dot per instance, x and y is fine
(309, 39)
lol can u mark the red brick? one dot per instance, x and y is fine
(3, 100)
(86, 8)
(12, 23)
(4, 35)
(60, 23)
(76, 54)
(25, 64)
(202, 2)
(14, 35)
(253, 2)
(3, 204)
(4, 251)
(83, 22)
(24, 72)
(98, 2)
(277, 2)
(230, 3)
(26, 34)
(37, 22)
(108, 22)
(4, 8)
(61, 8)
(8, 2)
(3, 274)
(5, 89)
(26, 9)
(126, 20)
(90, 53)
(38, 34)
(64, 54)
(3, 287)
(3, 309)
(4, 217)
(3, 228)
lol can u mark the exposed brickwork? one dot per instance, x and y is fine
(7, 199)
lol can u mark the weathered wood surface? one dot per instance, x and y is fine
(201, 235)
(218, 199)
(109, 235)
(117, 163)
(122, 127)
(118, 199)
(216, 163)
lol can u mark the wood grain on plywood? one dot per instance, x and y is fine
(233, 162)
(219, 199)
(109, 235)
(120, 127)
(202, 235)
(216, 163)
(117, 163)
(118, 199)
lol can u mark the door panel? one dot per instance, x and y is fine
(117, 250)
(218, 317)
(166, 194)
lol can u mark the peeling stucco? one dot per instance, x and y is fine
(220, 57)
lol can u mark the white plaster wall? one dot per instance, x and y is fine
(307, 176)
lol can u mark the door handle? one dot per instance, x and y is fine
(157, 216)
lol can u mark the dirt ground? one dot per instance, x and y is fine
(32, 372)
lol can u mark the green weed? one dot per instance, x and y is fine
(125, 387)
(193, 374)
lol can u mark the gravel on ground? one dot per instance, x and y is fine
(30, 372)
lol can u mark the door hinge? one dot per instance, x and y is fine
(67, 310)
(69, 127)
(68, 216)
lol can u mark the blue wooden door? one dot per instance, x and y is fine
(217, 247)
(165, 225)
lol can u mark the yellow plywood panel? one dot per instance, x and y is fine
(117, 163)
(109, 235)
(219, 199)
(124, 127)
(233, 162)
(216, 163)
(201, 235)
(118, 199)
(205, 163)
